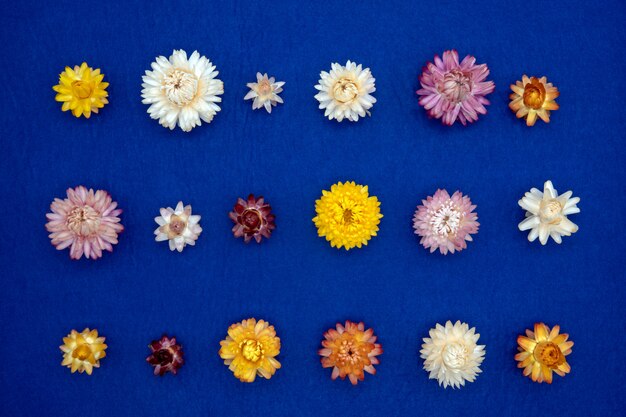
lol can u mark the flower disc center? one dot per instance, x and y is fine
(180, 87)
(251, 219)
(264, 87)
(454, 355)
(348, 216)
(456, 86)
(177, 225)
(550, 211)
(345, 90)
(83, 220)
(164, 357)
(534, 94)
(251, 350)
(82, 352)
(549, 354)
(446, 220)
(82, 89)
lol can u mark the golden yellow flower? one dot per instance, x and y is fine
(250, 350)
(542, 352)
(347, 216)
(81, 90)
(82, 351)
(533, 97)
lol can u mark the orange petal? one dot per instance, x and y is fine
(541, 332)
(526, 343)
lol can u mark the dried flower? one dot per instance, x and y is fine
(253, 218)
(250, 349)
(264, 92)
(181, 90)
(86, 221)
(533, 97)
(542, 352)
(81, 90)
(445, 222)
(178, 226)
(82, 351)
(546, 214)
(452, 91)
(345, 92)
(451, 354)
(166, 356)
(347, 216)
(350, 351)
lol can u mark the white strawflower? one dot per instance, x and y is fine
(178, 226)
(345, 92)
(451, 354)
(546, 214)
(264, 92)
(181, 90)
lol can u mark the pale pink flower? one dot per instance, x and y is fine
(86, 221)
(445, 222)
(452, 91)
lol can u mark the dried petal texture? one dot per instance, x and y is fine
(346, 92)
(264, 92)
(451, 354)
(253, 219)
(87, 222)
(178, 226)
(542, 352)
(347, 216)
(546, 214)
(454, 91)
(82, 351)
(446, 223)
(533, 97)
(350, 350)
(166, 356)
(182, 91)
(250, 350)
(81, 90)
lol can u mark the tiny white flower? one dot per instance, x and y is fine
(264, 92)
(345, 92)
(178, 226)
(451, 354)
(182, 91)
(546, 214)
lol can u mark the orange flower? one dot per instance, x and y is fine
(350, 350)
(533, 97)
(542, 352)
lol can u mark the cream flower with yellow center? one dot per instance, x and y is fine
(264, 92)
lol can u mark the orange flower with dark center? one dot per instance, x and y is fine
(533, 97)
(543, 352)
(350, 350)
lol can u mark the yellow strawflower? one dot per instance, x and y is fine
(82, 351)
(81, 90)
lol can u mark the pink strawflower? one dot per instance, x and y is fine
(86, 221)
(451, 90)
(253, 218)
(445, 222)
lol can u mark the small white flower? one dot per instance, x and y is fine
(264, 92)
(452, 355)
(181, 90)
(178, 226)
(345, 92)
(546, 214)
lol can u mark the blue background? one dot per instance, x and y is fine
(501, 284)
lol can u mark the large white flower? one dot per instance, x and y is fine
(264, 92)
(345, 92)
(452, 355)
(546, 214)
(178, 226)
(181, 90)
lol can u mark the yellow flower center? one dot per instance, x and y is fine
(348, 216)
(82, 352)
(345, 90)
(82, 89)
(549, 354)
(177, 226)
(550, 211)
(251, 350)
(348, 352)
(264, 87)
(454, 355)
(456, 86)
(180, 87)
(534, 94)
(83, 221)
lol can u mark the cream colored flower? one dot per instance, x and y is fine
(178, 226)
(264, 92)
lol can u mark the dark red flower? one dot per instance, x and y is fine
(166, 356)
(253, 218)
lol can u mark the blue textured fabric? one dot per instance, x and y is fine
(501, 284)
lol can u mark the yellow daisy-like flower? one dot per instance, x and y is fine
(82, 351)
(542, 352)
(81, 90)
(533, 97)
(347, 216)
(250, 350)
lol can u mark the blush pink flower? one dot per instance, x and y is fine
(452, 91)
(445, 222)
(86, 221)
